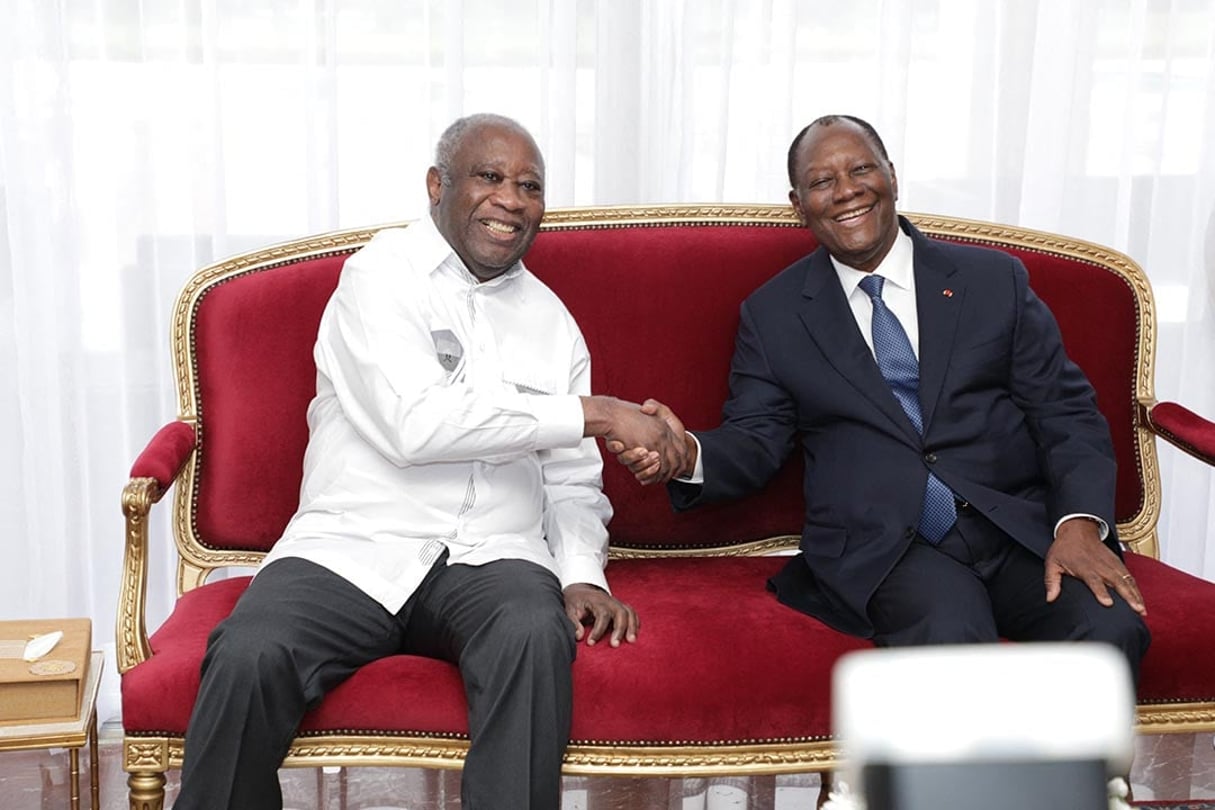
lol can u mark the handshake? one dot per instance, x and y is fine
(649, 439)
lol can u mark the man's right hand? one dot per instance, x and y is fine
(646, 464)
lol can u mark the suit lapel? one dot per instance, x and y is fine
(939, 294)
(829, 320)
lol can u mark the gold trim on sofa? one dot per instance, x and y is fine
(144, 754)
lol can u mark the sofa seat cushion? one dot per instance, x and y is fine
(717, 659)
(1180, 664)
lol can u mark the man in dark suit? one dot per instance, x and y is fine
(959, 478)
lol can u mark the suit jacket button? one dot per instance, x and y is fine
(931, 458)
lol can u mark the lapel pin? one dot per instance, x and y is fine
(948, 293)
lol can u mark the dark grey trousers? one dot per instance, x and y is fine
(979, 584)
(300, 630)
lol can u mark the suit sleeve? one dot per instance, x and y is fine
(759, 424)
(1076, 453)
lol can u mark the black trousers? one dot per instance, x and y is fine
(979, 584)
(300, 630)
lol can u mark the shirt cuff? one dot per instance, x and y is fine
(581, 569)
(697, 475)
(559, 420)
(1102, 527)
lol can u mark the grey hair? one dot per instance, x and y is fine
(449, 141)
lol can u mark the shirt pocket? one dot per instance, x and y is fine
(529, 380)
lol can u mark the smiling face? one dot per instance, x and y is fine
(489, 202)
(844, 192)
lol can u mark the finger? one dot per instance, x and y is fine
(672, 420)
(602, 621)
(639, 464)
(1097, 585)
(620, 623)
(615, 447)
(574, 612)
(1128, 589)
(633, 624)
(1053, 579)
(649, 475)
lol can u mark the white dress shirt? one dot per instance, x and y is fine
(447, 415)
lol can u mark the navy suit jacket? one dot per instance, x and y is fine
(1010, 423)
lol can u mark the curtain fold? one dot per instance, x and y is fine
(139, 141)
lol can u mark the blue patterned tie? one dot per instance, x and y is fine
(898, 365)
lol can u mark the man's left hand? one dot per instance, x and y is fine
(1079, 552)
(586, 603)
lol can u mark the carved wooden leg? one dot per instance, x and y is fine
(824, 791)
(451, 788)
(146, 791)
(74, 759)
(94, 770)
(762, 793)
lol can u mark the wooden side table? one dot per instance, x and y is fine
(70, 734)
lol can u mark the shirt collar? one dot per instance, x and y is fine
(896, 267)
(435, 253)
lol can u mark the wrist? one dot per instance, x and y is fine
(597, 415)
(1079, 523)
(691, 451)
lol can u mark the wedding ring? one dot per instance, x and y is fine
(1127, 577)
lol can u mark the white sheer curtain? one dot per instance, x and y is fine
(140, 139)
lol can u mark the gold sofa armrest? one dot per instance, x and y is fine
(1180, 427)
(158, 466)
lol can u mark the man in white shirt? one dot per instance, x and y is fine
(451, 503)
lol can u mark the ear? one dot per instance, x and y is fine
(434, 185)
(894, 183)
(796, 202)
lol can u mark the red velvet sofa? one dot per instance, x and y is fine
(723, 679)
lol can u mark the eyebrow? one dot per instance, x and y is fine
(501, 169)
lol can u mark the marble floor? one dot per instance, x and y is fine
(1166, 767)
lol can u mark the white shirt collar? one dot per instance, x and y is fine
(435, 252)
(896, 267)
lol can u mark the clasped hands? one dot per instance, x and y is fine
(651, 441)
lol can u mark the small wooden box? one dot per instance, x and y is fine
(50, 688)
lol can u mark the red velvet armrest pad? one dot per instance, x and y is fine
(165, 454)
(1184, 428)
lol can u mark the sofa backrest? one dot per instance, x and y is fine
(656, 292)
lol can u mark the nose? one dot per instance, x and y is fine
(846, 187)
(509, 196)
